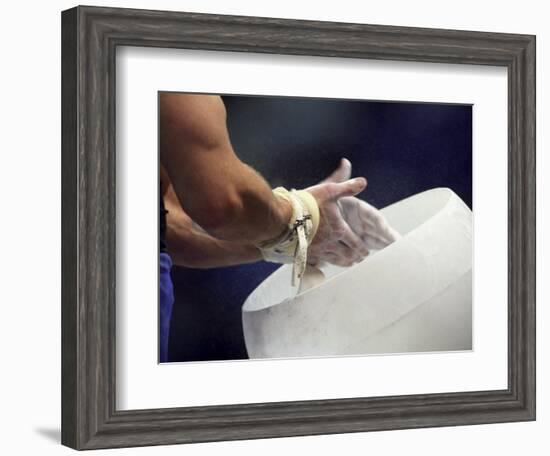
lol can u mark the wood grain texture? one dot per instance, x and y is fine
(69, 285)
(90, 36)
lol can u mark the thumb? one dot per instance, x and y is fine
(340, 174)
(348, 188)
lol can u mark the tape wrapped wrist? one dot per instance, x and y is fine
(291, 246)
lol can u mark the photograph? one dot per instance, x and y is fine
(281, 223)
(298, 227)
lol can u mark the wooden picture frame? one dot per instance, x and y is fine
(90, 36)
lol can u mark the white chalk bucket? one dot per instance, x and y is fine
(413, 296)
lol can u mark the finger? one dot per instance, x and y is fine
(373, 243)
(338, 260)
(350, 238)
(391, 233)
(383, 231)
(372, 228)
(350, 187)
(365, 211)
(382, 236)
(345, 252)
(374, 219)
(371, 236)
(340, 174)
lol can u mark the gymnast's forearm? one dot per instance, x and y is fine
(190, 246)
(232, 202)
(194, 249)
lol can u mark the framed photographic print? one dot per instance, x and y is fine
(278, 227)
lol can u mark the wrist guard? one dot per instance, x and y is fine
(291, 246)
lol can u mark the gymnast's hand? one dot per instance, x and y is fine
(335, 242)
(359, 229)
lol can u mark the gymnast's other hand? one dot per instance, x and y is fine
(335, 242)
(365, 227)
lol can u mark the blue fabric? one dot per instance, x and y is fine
(166, 300)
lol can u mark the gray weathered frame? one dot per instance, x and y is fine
(90, 36)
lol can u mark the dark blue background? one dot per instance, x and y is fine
(401, 148)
